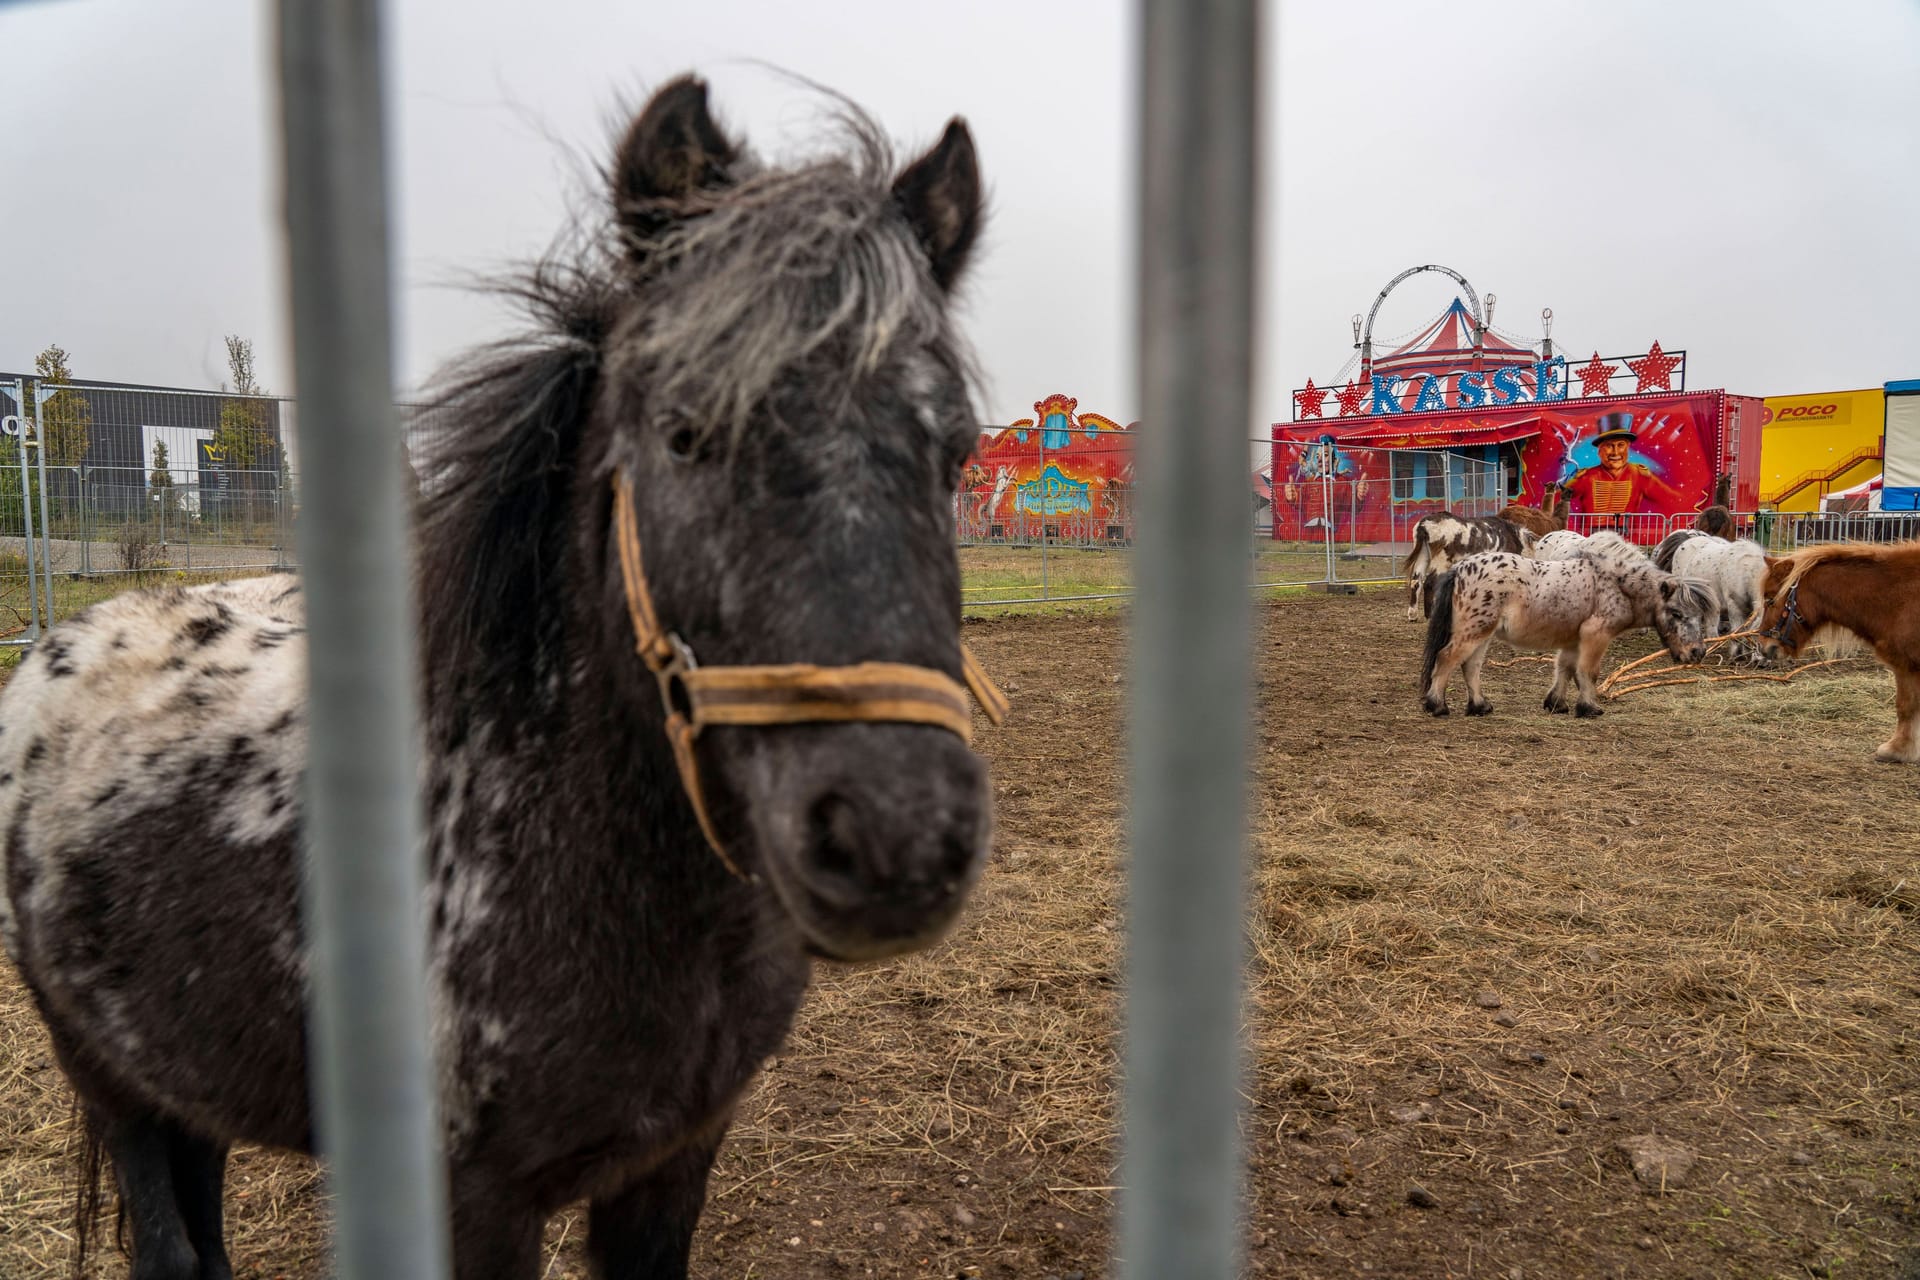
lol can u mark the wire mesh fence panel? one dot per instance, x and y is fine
(1811, 529)
(1046, 514)
(16, 610)
(1642, 528)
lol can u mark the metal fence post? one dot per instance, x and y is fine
(46, 523)
(84, 486)
(20, 422)
(1328, 460)
(372, 1076)
(1045, 588)
(1189, 719)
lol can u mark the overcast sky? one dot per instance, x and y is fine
(1740, 179)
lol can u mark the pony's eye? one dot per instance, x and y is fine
(683, 444)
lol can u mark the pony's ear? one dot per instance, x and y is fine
(941, 196)
(1669, 588)
(672, 150)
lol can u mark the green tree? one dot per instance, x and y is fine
(66, 419)
(244, 437)
(161, 481)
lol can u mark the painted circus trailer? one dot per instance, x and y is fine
(1375, 479)
(1462, 418)
(1061, 475)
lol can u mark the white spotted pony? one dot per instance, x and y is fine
(1565, 544)
(1575, 606)
(1735, 571)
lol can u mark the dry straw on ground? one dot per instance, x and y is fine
(1695, 919)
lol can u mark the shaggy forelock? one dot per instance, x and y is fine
(812, 268)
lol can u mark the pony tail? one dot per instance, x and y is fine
(1439, 627)
(1419, 553)
(89, 1167)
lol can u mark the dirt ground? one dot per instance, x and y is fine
(1486, 957)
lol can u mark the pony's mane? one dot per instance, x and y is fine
(1642, 576)
(495, 447)
(734, 290)
(777, 268)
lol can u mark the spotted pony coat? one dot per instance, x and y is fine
(1564, 544)
(98, 690)
(1574, 606)
(1443, 538)
(767, 356)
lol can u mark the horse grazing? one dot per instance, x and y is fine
(1442, 538)
(1564, 544)
(1549, 517)
(752, 374)
(1734, 571)
(1663, 553)
(1576, 606)
(1872, 592)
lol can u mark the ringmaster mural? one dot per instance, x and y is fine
(1066, 471)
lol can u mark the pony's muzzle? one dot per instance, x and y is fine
(872, 835)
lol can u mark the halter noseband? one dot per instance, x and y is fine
(1789, 617)
(694, 696)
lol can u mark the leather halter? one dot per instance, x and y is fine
(694, 696)
(1789, 616)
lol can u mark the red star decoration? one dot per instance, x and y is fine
(1351, 397)
(1655, 369)
(1596, 375)
(1310, 400)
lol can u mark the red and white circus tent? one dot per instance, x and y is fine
(1446, 345)
(1864, 496)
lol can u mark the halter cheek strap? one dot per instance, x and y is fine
(1789, 616)
(794, 693)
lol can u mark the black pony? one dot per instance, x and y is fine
(766, 357)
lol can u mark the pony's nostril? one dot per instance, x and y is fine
(956, 856)
(833, 830)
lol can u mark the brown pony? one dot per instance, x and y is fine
(1871, 591)
(1717, 521)
(1549, 517)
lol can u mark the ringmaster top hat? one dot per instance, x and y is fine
(1615, 426)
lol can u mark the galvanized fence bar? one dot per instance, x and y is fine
(373, 1083)
(1181, 1156)
(46, 525)
(18, 433)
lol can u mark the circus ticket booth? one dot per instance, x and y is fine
(1464, 419)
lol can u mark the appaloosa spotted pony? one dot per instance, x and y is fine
(753, 371)
(1565, 544)
(1443, 538)
(1576, 606)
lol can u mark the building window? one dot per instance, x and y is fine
(1418, 477)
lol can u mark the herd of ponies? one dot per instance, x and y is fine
(1522, 576)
